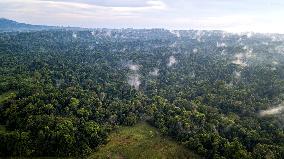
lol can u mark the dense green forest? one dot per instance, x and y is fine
(217, 93)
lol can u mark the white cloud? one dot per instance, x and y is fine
(155, 72)
(233, 16)
(74, 35)
(134, 81)
(172, 61)
(272, 111)
(78, 13)
(133, 67)
(175, 33)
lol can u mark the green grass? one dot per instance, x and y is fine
(141, 142)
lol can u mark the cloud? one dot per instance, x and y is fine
(74, 35)
(134, 81)
(155, 72)
(78, 12)
(175, 33)
(172, 61)
(240, 59)
(195, 50)
(133, 77)
(233, 16)
(115, 3)
(237, 74)
(92, 7)
(272, 111)
(133, 67)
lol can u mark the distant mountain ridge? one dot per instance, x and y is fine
(7, 25)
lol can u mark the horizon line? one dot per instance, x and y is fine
(142, 28)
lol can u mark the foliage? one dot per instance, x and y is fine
(61, 95)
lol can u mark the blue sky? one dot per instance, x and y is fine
(229, 15)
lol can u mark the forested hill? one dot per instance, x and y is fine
(7, 25)
(219, 94)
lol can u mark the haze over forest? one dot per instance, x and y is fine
(142, 79)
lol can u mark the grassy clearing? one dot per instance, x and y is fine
(141, 141)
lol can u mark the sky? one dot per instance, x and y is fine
(229, 15)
